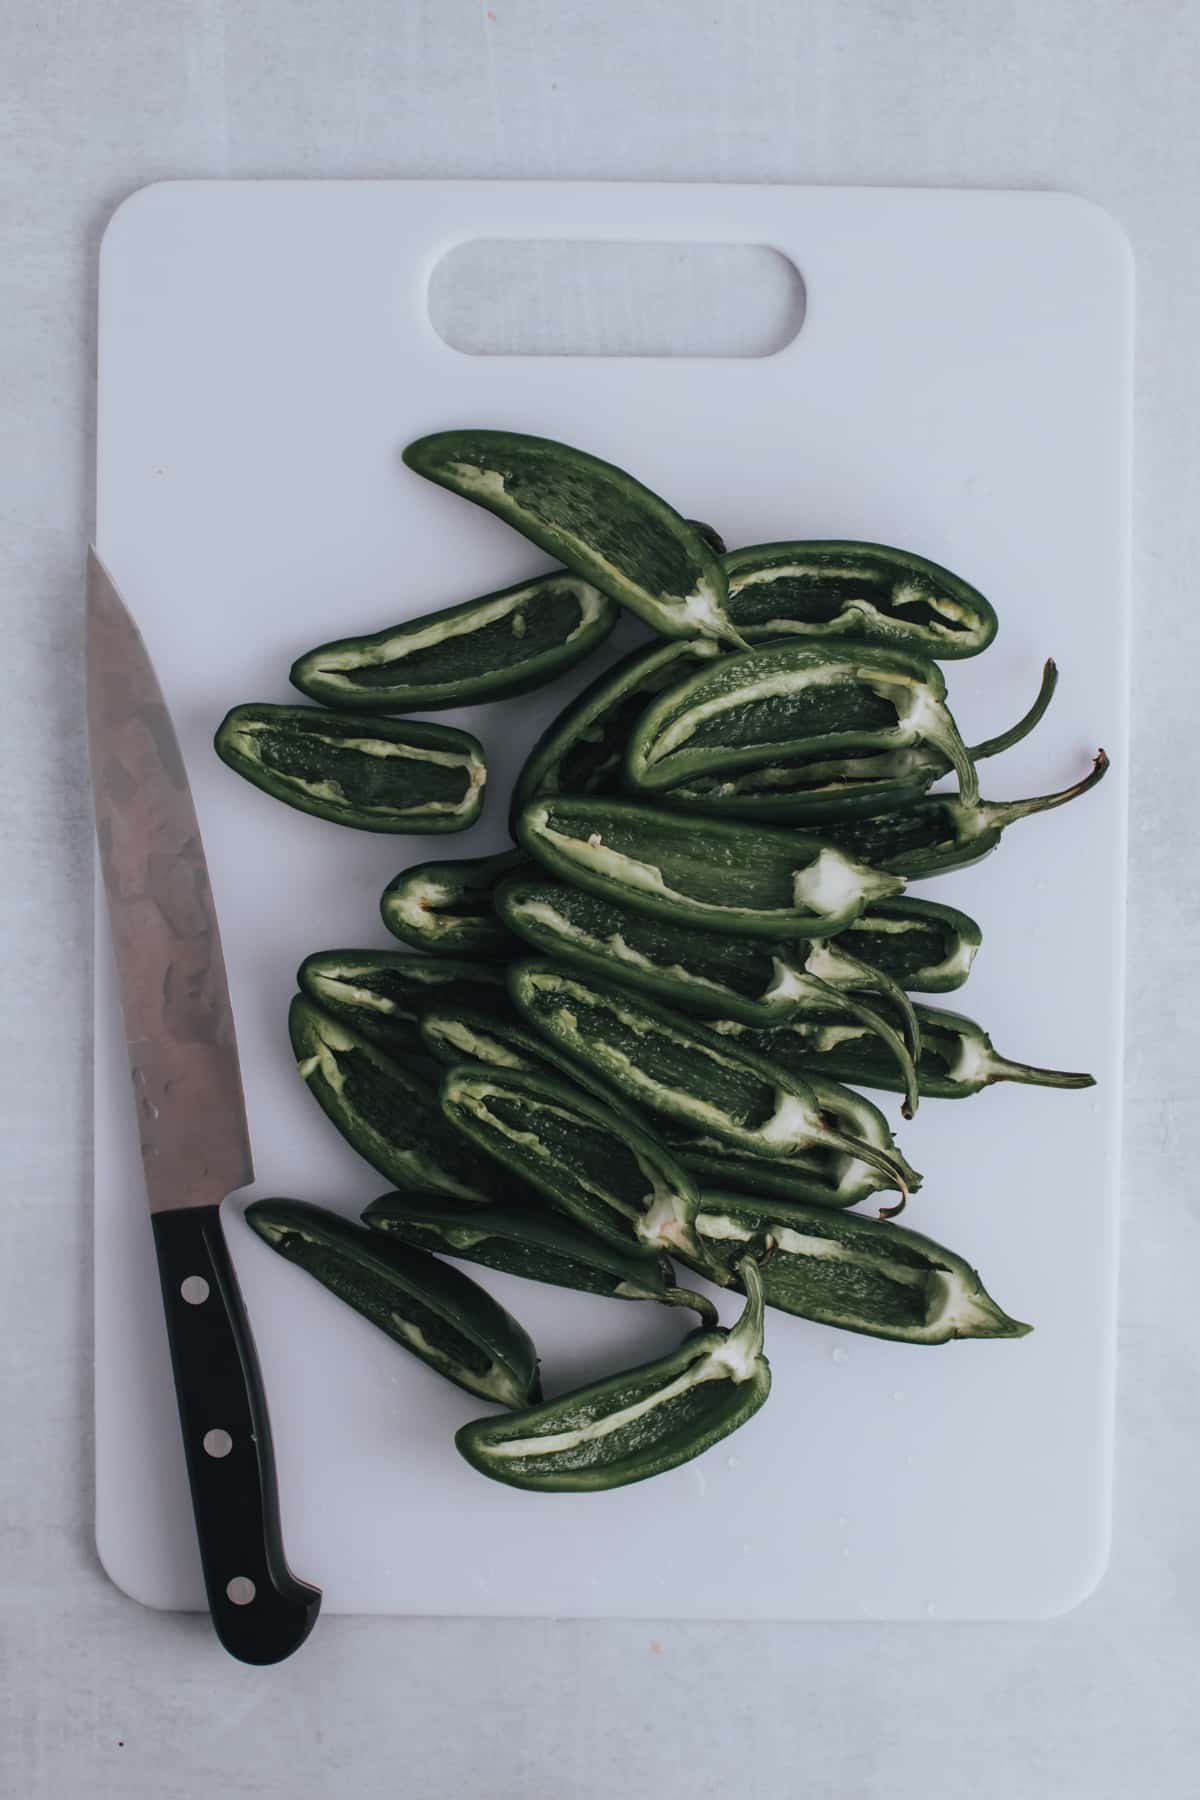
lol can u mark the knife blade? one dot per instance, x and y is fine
(195, 1141)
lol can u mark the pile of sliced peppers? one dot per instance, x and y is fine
(635, 1038)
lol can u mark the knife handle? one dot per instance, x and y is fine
(260, 1610)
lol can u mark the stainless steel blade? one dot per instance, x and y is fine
(178, 1021)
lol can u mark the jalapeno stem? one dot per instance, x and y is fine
(995, 815)
(875, 1159)
(1000, 1069)
(941, 732)
(743, 1345)
(1006, 739)
(885, 1032)
(879, 980)
(678, 1296)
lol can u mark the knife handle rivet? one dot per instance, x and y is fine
(241, 1590)
(218, 1443)
(194, 1289)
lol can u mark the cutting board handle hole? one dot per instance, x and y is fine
(558, 297)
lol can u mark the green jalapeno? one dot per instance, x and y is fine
(711, 536)
(594, 517)
(666, 1063)
(941, 832)
(744, 879)
(384, 1110)
(435, 1311)
(382, 994)
(446, 907)
(487, 649)
(635, 1424)
(582, 750)
(589, 1160)
(870, 592)
(856, 1273)
(816, 1177)
(922, 945)
(818, 1173)
(538, 1244)
(793, 703)
(390, 775)
(702, 972)
(808, 792)
(500, 1039)
(957, 1056)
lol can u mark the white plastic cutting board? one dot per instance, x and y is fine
(960, 386)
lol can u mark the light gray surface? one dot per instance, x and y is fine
(98, 1697)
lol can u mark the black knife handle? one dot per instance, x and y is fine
(260, 1611)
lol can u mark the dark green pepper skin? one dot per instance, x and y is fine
(635, 1424)
(711, 536)
(957, 1056)
(592, 516)
(809, 793)
(823, 1174)
(704, 972)
(707, 973)
(446, 907)
(924, 946)
(418, 779)
(385, 1110)
(701, 971)
(794, 703)
(581, 751)
(855, 787)
(536, 1243)
(941, 833)
(492, 648)
(452, 1033)
(672, 1066)
(836, 588)
(432, 1309)
(814, 1177)
(587, 1159)
(744, 879)
(856, 1273)
(383, 994)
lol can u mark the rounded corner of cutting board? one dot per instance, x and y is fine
(125, 1566)
(1095, 228)
(1079, 1584)
(130, 212)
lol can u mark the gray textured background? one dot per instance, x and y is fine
(100, 1698)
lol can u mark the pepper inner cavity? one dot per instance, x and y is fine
(319, 763)
(523, 630)
(597, 512)
(629, 1047)
(819, 591)
(589, 1157)
(833, 706)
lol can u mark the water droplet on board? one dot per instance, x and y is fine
(843, 1521)
(839, 1355)
(897, 1393)
(930, 1608)
(731, 1462)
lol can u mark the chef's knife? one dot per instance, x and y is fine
(191, 1117)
